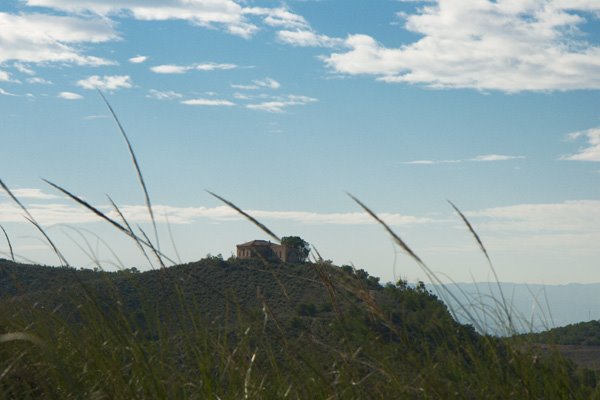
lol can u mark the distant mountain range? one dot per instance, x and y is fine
(534, 307)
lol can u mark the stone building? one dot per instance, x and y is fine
(266, 250)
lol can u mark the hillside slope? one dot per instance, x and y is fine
(244, 329)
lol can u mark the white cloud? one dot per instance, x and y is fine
(495, 157)
(24, 69)
(32, 193)
(138, 59)
(73, 214)
(5, 93)
(39, 81)
(245, 87)
(480, 158)
(69, 96)
(509, 46)
(224, 14)
(185, 215)
(163, 95)
(107, 82)
(565, 228)
(39, 38)
(566, 217)
(47, 214)
(430, 162)
(208, 102)
(268, 83)
(4, 76)
(241, 96)
(308, 38)
(590, 153)
(169, 69)
(182, 69)
(279, 105)
(213, 66)
(278, 17)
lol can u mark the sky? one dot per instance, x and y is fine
(285, 107)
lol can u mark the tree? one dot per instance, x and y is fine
(297, 245)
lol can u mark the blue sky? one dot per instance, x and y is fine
(282, 107)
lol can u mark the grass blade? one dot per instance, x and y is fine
(30, 218)
(248, 216)
(487, 256)
(397, 238)
(105, 217)
(131, 234)
(12, 254)
(475, 235)
(137, 168)
(14, 198)
(430, 274)
(61, 258)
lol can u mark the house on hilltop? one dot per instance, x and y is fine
(266, 250)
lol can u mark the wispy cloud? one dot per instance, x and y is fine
(487, 45)
(69, 96)
(4, 76)
(268, 83)
(565, 228)
(229, 15)
(170, 69)
(5, 93)
(107, 82)
(431, 162)
(589, 153)
(308, 38)
(93, 117)
(163, 95)
(186, 215)
(36, 80)
(278, 17)
(481, 158)
(244, 87)
(495, 157)
(182, 69)
(47, 214)
(138, 59)
(281, 104)
(568, 216)
(208, 102)
(23, 69)
(31, 193)
(42, 38)
(71, 214)
(213, 66)
(242, 96)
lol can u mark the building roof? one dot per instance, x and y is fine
(255, 243)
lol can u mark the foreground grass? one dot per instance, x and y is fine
(301, 332)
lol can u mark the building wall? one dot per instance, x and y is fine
(254, 252)
(272, 251)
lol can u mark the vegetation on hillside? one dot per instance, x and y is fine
(583, 333)
(241, 329)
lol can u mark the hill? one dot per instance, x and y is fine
(581, 334)
(536, 307)
(246, 329)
